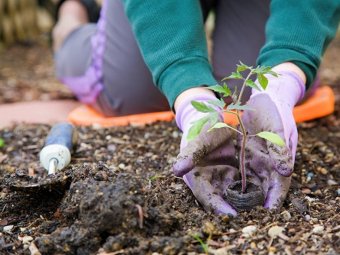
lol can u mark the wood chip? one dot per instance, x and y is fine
(33, 249)
(275, 231)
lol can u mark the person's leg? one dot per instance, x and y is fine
(73, 51)
(72, 14)
(239, 34)
(116, 80)
(128, 85)
(103, 66)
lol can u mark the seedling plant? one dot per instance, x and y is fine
(248, 75)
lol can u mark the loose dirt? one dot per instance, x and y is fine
(119, 195)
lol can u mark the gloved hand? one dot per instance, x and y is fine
(269, 165)
(208, 161)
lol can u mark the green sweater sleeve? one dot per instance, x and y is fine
(171, 37)
(299, 31)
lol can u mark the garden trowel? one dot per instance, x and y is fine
(55, 155)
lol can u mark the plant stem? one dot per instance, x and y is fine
(243, 86)
(242, 154)
(244, 137)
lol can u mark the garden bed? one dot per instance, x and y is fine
(122, 196)
(119, 195)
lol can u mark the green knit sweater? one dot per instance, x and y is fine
(170, 35)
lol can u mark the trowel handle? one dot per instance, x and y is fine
(62, 134)
(59, 143)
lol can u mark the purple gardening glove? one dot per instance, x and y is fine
(269, 165)
(208, 161)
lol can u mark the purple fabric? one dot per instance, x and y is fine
(267, 164)
(285, 92)
(186, 114)
(207, 161)
(88, 86)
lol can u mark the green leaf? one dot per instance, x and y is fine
(234, 75)
(155, 177)
(2, 143)
(271, 137)
(224, 90)
(262, 80)
(242, 67)
(273, 73)
(227, 91)
(218, 125)
(252, 84)
(261, 69)
(239, 107)
(265, 70)
(202, 107)
(218, 102)
(204, 246)
(196, 128)
(213, 118)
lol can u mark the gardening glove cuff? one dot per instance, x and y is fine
(287, 89)
(186, 114)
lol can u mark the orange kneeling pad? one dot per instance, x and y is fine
(320, 104)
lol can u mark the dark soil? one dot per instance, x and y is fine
(252, 197)
(123, 197)
(119, 195)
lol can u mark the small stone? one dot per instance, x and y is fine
(291, 230)
(249, 230)
(225, 238)
(286, 215)
(322, 170)
(318, 229)
(253, 245)
(338, 191)
(225, 218)
(315, 220)
(307, 217)
(317, 192)
(331, 182)
(176, 186)
(121, 166)
(26, 239)
(310, 176)
(175, 134)
(209, 228)
(3, 222)
(275, 231)
(3, 195)
(272, 250)
(306, 191)
(111, 147)
(310, 199)
(232, 230)
(8, 228)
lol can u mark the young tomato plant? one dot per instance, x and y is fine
(246, 74)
